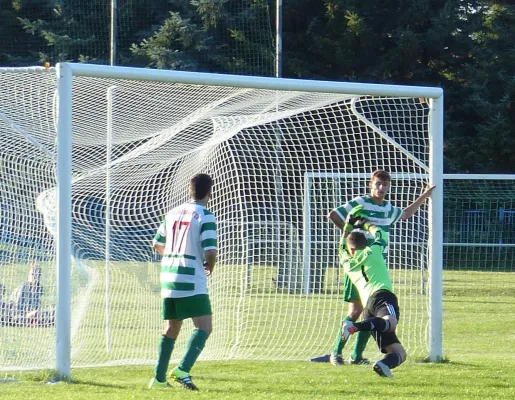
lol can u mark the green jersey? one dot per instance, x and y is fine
(367, 268)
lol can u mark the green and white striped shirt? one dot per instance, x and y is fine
(186, 233)
(383, 215)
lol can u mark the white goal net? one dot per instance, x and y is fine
(136, 143)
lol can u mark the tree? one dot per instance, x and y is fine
(211, 36)
(74, 30)
(19, 47)
(462, 46)
(481, 126)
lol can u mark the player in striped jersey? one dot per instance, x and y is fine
(383, 214)
(187, 241)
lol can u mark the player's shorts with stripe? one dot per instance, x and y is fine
(380, 304)
(350, 292)
(186, 307)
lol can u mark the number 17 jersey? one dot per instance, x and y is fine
(186, 233)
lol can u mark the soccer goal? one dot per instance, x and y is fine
(92, 157)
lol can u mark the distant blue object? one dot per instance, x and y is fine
(507, 220)
(324, 358)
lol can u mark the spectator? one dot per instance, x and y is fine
(25, 302)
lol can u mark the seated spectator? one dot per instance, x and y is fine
(25, 302)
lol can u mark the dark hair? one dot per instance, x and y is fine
(357, 240)
(380, 175)
(200, 186)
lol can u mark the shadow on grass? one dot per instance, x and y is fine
(98, 384)
(447, 362)
(426, 360)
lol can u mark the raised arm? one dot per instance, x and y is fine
(413, 207)
(336, 219)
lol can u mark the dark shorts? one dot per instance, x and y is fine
(380, 304)
(349, 290)
(186, 307)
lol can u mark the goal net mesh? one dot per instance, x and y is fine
(136, 144)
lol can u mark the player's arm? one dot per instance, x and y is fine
(336, 219)
(353, 218)
(159, 241)
(379, 237)
(160, 249)
(210, 263)
(209, 242)
(413, 207)
(343, 218)
(378, 233)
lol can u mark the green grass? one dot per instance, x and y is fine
(473, 379)
(479, 347)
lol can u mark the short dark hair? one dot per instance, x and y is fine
(357, 240)
(380, 175)
(200, 186)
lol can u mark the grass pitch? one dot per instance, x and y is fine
(479, 347)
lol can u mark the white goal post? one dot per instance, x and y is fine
(124, 142)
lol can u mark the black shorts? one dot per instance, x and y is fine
(380, 304)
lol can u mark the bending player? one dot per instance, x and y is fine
(366, 268)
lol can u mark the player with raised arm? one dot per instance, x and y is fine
(383, 214)
(187, 241)
(367, 270)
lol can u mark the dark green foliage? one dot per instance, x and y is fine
(211, 36)
(481, 124)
